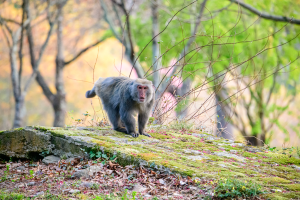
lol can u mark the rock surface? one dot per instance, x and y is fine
(195, 154)
(51, 160)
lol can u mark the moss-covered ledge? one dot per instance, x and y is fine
(193, 153)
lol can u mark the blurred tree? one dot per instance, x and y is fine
(58, 99)
(14, 38)
(223, 35)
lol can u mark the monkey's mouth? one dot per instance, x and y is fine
(142, 99)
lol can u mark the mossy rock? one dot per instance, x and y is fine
(194, 153)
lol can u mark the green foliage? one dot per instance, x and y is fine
(5, 174)
(11, 196)
(123, 196)
(232, 188)
(100, 155)
(151, 120)
(229, 39)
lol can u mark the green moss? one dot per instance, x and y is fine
(282, 196)
(215, 158)
(231, 148)
(41, 128)
(285, 169)
(292, 187)
(280, 158)
(272, 180)
(18, 129)
(148, 156)
(249, 155)
(185, 145)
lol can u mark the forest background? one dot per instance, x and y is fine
(225, 67)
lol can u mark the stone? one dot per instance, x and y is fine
(69, 160)
(238, 144)
(296, 167)
(39, 193)
(96, 168)
(21, 168)
(20, 143)
(189, 151)
(252, 149)
(276, 190)
(161, 181)
(87, 184)
(74, 191)
(222, 165)
(51, 160)
(197, 157)
(193, 188)
(31, 183)
(139, 188)
(233, 151)
(81, 173)
(229, 155)
(85, 128)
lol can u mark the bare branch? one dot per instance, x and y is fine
(109, 21)
(46, 90)
(266, 15)
(21, 46)
(35, 63)
(128, 48)
(85, 49)
(11, 21)
(191, 39)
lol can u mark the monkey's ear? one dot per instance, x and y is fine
(153, 87)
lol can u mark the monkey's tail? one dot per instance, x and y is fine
(91, 93)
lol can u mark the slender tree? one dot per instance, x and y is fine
(14, 41)
(58, 99)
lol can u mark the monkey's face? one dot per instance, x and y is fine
(142, 93)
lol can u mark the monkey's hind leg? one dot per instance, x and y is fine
(114, 119)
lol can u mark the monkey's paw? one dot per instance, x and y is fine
(135, 135)
(146, 134)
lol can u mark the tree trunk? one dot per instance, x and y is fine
(223, 127)
(59, 103)
(186, 87)
(155, 43)
(253, 141)
(19, 112)
(59, 106)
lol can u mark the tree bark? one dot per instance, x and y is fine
(155, 43)
(186, 87)
(223, 127)
(19, 112)
(19, 98)
(253, 141)
(59, 101)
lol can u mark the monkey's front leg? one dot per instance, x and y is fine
(129, 122)
(142, 120)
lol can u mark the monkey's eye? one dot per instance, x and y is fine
(146, 88)
(140, 87)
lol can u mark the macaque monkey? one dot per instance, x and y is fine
(122, 97)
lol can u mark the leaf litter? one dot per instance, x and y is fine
(90, 178)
